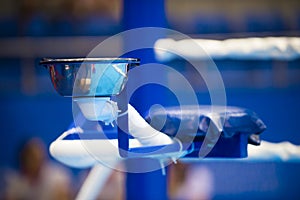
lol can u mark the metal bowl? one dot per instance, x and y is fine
(89, 77)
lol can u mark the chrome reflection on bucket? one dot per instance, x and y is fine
(96, 77)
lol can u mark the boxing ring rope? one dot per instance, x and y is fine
(253, 48)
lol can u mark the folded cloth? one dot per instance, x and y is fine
(195, 120)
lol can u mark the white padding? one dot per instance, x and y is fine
(143, 132)
(71, 153)
(85, 153)
(277, 48)
(267, 151)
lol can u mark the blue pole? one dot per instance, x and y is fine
(137, 14)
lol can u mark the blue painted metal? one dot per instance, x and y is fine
(136, 14)
(146, 186)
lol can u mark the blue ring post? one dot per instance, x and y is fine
(137, 14)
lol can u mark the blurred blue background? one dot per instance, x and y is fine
(29, 106)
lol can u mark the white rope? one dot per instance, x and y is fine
(276, 48)
(94, 183)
